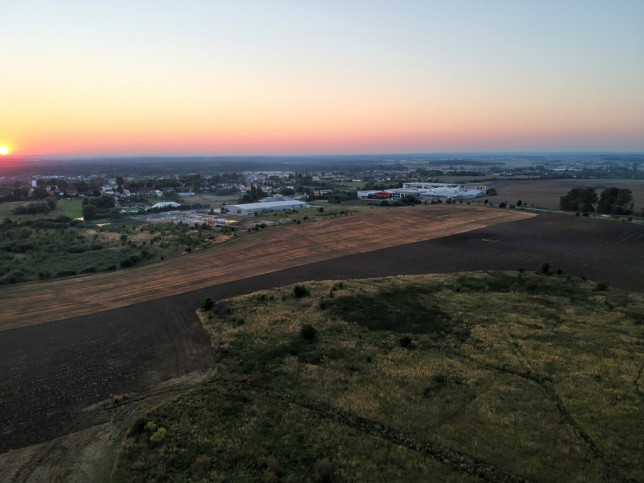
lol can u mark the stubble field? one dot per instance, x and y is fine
(279, 249)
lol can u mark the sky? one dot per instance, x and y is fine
(222, 77)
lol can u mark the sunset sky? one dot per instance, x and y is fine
(87, 77)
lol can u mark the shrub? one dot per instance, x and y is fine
(405, 341)
(203, 463)
(158, 435)
(207, 304)
(545, 268)
(308, 332)
(44, 275)
(130, 261)
(601, 287)
(65, 273)
(301, 291)
(323, 470)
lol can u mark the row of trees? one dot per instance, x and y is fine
(37, 207)
(614, 201)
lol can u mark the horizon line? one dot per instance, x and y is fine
(285, 155)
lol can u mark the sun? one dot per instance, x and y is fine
(4, 150)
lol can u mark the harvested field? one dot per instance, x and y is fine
(278, 249)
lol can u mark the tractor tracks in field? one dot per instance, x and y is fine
(457, 461)
(545, 384)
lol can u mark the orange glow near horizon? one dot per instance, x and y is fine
(322, 78)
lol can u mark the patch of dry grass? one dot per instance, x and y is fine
(530, 376)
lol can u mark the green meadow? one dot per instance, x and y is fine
(72, 208)
(504, 376)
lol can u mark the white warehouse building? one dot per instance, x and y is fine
(249, 209)
(445, 190)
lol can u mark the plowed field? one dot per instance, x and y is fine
(277, 249)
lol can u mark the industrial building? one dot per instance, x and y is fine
(428, 191)
(249, 209)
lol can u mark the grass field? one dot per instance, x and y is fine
(503, 376)
(71, 208)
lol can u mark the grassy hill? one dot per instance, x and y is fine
(497, 375)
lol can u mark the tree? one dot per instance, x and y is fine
(579, 199)
(51, 201)
(253, 195)
(39, 193)
(105, 202)
(616, 201)
(89, 212)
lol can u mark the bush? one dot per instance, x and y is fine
(158, 435)
(301, 291)
(130, 261)
(66, 273)
(601, 287)
(405, 341)
(308, 332)
(545, 268)
(207, 304)
(37, 207)
(323, 470)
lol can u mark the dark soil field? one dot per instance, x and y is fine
(52, 372)
(545, 193)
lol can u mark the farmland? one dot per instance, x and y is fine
(545, 193)
(278, 249)
(53, 387)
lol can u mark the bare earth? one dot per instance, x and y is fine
(545, 193)
(128, 332)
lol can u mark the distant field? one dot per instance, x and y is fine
(546, 193)
(6, 209)
(71, 208)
